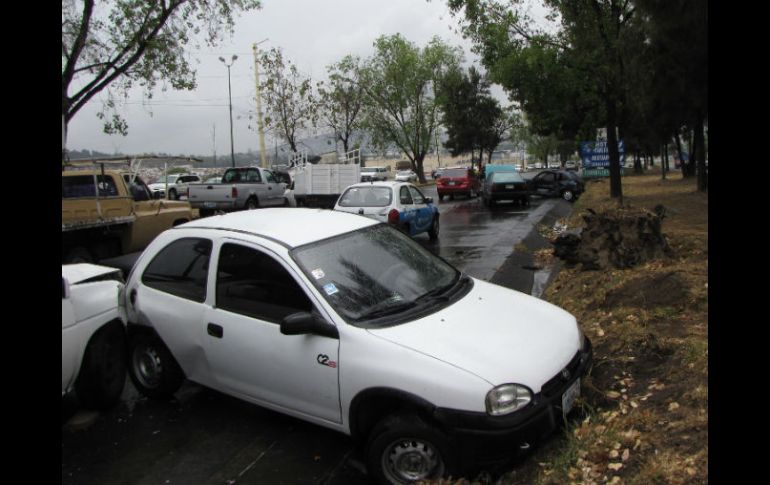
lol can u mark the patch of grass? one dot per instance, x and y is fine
(650, 377)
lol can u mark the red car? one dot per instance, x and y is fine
(458, 181)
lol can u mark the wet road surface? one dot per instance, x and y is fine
(205, 437)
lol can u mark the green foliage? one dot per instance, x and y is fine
(341, 99)
(290, 104)
(124, 43)
(401, 82)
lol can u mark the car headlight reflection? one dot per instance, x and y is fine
(507, 398)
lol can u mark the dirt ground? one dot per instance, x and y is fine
(644, 416)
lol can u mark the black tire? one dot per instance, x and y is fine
(405, 449)
(205, 212)
(172, 195)
(568, 195)
(441, 197)
(451, 197)
(102, 374)
(434, 229)
(153, 370)
(252, 203)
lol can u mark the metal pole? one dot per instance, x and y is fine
(260, 124)
(230, 95)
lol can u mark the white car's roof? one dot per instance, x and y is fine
(289, 226)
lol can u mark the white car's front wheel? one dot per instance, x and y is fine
(153, 369)
(405, 449)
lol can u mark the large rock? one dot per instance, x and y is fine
(620, 238)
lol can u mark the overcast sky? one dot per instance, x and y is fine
(311, 33)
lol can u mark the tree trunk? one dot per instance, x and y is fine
(700, 150)
(420, 171)
(663, 161)
(637, 163)
(616, 189)
(690, 165)
(679, 154)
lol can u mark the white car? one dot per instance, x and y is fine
(177, 185)
(93, 340)
(406, 176)
(398, 203)
(345, 322)
(374, 174)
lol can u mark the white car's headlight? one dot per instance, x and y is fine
(507, 398)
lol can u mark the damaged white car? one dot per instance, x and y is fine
(348, 323)
(93, 338)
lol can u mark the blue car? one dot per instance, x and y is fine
(398, 203)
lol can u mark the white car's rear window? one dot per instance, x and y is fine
(367, 196)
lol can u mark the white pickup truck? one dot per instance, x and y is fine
(241, 188)
(93, 336)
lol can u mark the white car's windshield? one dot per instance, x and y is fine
(372, 275)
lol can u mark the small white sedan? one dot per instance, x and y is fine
(406, 176)
(398, 203)
(93, 342)
(346, 322)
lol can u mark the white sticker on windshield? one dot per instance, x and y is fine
(330, 289)
(318, 273)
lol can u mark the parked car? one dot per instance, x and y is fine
(458, 181)
(505, 185)
(406, 176)
(558, 183)
(571, 165)
(106, 213)
(436, 173)
(93, 338)
(177, 185)
(369, 174)
(345, 322)
(400, 204)
(241, 188)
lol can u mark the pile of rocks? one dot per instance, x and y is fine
(621, 238)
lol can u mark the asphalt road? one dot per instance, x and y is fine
(205, 437)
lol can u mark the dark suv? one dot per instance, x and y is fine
(557, 183)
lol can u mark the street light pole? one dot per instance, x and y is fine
(230, 95)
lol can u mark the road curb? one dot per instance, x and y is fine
(519, 271)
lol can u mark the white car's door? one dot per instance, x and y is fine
(248, 354)
(172, 298)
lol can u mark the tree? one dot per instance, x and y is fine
(547, 72)
(401, 83)
(474, 120)
(341, 98)
(289, 101)
(134, 42)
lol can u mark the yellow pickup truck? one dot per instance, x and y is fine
(107, 213)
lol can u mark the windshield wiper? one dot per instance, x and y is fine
(440, 293)
(380, 311)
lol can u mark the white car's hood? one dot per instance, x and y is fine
(159, 186)
(500, 335)
(78, 273)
